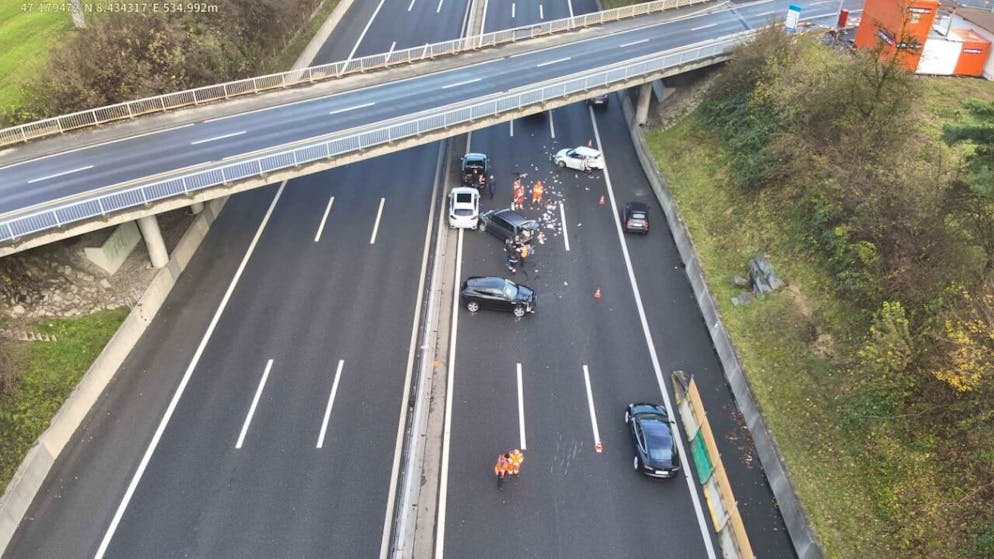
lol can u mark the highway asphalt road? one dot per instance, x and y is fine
(33, 182)
(318, 290)
(236, 470)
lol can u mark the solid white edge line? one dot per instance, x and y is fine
(347, 109)
(364, 30)
(331, 402)
(255, 402)
(63, 173)
(570, 4)
(317, 236)
(552, 126)
(443, 485)
(639, 42)
(556, 61)
(705, 532)
(521, 410)
(136, 478)
(215, 138)
(411, 6)
(562, 214)
(590, 405)
(376, 226)
(457, 84)
(438, 10)
(412, 349)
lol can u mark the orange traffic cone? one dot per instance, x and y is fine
(598, 447)
(601, 202)
(597, 294)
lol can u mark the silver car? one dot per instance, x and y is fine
(464, 207)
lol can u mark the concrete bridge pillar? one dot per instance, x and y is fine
(642, 109)
(196, 208)
(149, 227)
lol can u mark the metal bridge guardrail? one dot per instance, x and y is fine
(14, 226)
(212, 93)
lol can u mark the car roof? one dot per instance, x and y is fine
(464, 190)
(491, 282)
(589, 152)
(513, 217)
(474, 156)
(637, 207)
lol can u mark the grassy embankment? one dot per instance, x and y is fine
(26, 35)
(797, 384)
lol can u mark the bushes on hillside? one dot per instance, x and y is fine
(906, 231)
(123, 56)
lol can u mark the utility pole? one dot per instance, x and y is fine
(76, 9)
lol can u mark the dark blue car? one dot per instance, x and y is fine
(654, 439)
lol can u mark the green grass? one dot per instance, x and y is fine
(787, 342)
(26, 36)
(285, 60)
(49, 372)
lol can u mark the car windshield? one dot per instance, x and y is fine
(638, 215)
(510, 290)
(464, 198)
(659, 441)
(474, 165)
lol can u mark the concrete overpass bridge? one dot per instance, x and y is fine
(73, 183)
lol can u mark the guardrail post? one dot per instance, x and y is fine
(283, 79)
(294, 153)
(224, 178)
(58, 222)
(255, 86)
(24, 137)
(195, 100)
(225, 86)
(162, 103)
(130, 114)
(100, 204)
(258, 163)
(10, 231)
(310, 75)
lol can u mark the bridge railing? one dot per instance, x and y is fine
(138, 193)
(212, 93)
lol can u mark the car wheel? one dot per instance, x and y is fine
(562, 164)
(472, 306)
(636, 463)
(519, 311)
(628, 417)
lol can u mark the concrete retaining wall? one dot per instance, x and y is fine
(801, 533)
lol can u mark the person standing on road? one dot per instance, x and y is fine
(537, 190)
(511, 258)
(516, 458)
(501, 468)
(491, 187)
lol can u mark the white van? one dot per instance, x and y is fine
(464, 207)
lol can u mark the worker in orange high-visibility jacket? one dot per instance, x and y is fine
(502, 467)
(537, 190)
(519, 198)
(516, 458)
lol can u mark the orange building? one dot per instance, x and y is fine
(974, 54)
(897, 24)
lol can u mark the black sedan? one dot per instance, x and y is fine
(482, 292)
(655, 445)
(636, 218)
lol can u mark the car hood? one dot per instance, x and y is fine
(525, 293)
(562, 152)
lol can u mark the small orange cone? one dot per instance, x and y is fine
(601, 202)
(598, 447)
(597, 294)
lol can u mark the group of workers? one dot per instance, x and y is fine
(518, 199)
(508, 464)
(515, 255)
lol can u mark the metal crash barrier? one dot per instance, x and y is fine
(710, 471)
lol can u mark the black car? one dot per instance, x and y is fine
(474, 170)
(655, 444)
(636, 218)
(508, 224)
(599, 100)
(499, 294)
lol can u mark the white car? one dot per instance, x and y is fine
(464, 207)
(579, 158)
